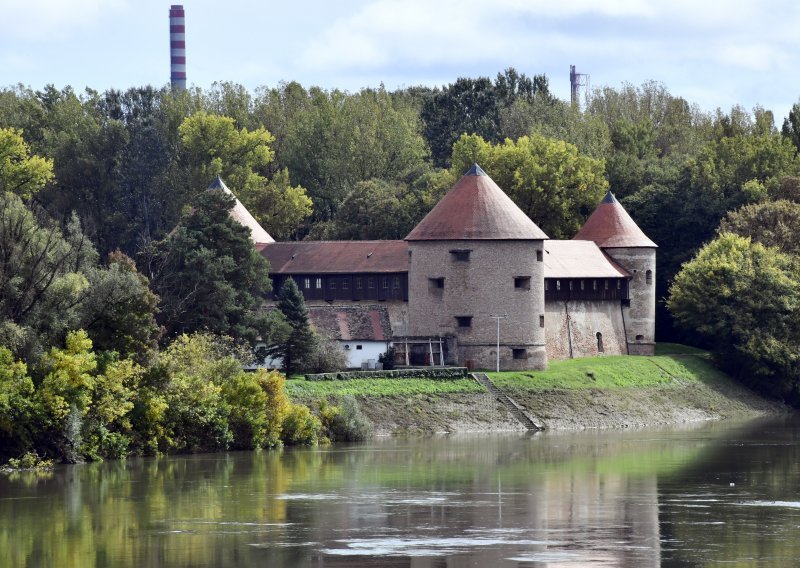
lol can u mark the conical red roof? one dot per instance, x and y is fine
(476, 208)
(610, 226)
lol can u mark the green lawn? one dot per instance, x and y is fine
(302, 389)
(679, 364)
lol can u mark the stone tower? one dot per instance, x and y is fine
(474, 256)
(620, 237)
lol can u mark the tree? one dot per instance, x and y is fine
(212, 146)
(21, 173)
(772, 223)
(301, 341)
(743, 299)
(548, 179)
(42, 278)
(209, 276)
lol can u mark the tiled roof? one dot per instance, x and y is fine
(476, 208)
(351, 323)
(243, 216)
(579, 259)
(610, 226)
(336, 257)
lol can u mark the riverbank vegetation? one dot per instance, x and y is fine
(114, 257)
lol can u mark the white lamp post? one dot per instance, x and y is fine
(498, 318)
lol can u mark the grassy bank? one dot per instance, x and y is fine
(677, 385)
(672, 366)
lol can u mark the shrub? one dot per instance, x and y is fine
(300, 427)
(328, 357)
(344, 422)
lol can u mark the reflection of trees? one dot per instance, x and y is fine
(598, 489)
(715, 522)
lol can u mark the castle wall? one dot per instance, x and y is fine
(640, 316)
(571, 328)
(477, 288)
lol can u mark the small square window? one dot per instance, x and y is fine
(594, 284)
(385, 283)
(538, 256)
(619, 284)
(345, 284)
(307, 283)
(332, 284)
(546, 285)
(319, 283)
(541, 321)
(359, 284)
(460, 255)
(520, 353)
(464, 321)
(581, 284)
(359, 347)
(649, 276)
(437, 283)
(370, 283)
(558, 284)
(606, 283)
(522, 282)
(396, 283)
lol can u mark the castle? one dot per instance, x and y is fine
(474, 275)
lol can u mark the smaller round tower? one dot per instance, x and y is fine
(614, 231)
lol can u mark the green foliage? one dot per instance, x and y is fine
(209, 276)
(20, 173)
(28, 461)
(773, 224)
(344, 421)
(328, 357)
(548, 179)
(742, 298)
(212, 146)
(16, 405)
(301, 342)
(300, 427)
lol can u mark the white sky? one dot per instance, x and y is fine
(714, 53)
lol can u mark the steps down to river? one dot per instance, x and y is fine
(513, 407)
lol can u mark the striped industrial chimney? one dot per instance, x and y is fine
(177, 47)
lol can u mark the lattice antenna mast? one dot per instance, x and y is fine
(576, 81)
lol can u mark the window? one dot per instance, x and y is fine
(332, 284)
(307, 283)
(558, 284)
(570, 284)
(539, 256)
(319, 283)
(594, 284)
(359, 347)
(522, 282)
(619, 284)
(359, 284)
(460, 255)
(541, 321)
(546, 285)
(648, 276)
(370, 283)
(599, 342)
(581, 284)
(396, 283)
(436, 282)
(345, 284)
(520, 353)
(464, 321)
(640, 338)
(385, 283)
(606, 284)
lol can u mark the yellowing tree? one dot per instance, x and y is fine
(21, 173)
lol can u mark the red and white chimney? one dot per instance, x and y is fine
(177, 47)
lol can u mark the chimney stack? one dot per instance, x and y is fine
(177, 47)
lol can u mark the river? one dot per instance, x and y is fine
(699, 495)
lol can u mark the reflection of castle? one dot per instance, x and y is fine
(475, 260)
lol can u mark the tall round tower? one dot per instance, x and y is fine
(476, 276)
(620, 237)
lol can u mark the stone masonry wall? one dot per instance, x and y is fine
(571, 328)
(480, 287)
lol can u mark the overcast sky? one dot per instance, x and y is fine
(713, 53)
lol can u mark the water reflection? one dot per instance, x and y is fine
(600, 499)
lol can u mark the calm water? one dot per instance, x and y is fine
(717, 494)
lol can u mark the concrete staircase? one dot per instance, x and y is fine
(513, 407)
